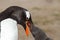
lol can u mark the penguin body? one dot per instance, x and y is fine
(9, 30)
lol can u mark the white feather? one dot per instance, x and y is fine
(27, 14)
(9, 30)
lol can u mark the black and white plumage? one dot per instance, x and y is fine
(21, 15)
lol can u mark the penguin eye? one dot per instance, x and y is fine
(27, 14)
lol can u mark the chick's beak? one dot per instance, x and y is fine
(27, 28)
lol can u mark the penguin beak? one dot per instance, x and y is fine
(27, 28)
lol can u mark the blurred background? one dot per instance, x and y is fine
(45, 15)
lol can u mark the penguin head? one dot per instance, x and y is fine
(23, 17)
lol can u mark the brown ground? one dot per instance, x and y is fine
(45, 14)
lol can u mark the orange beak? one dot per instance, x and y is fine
(27, 28)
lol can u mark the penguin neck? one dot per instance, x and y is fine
(9, 30)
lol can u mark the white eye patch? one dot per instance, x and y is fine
(27, 14)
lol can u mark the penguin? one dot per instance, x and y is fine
(23, 17)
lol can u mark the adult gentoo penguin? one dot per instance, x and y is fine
(21, 16)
